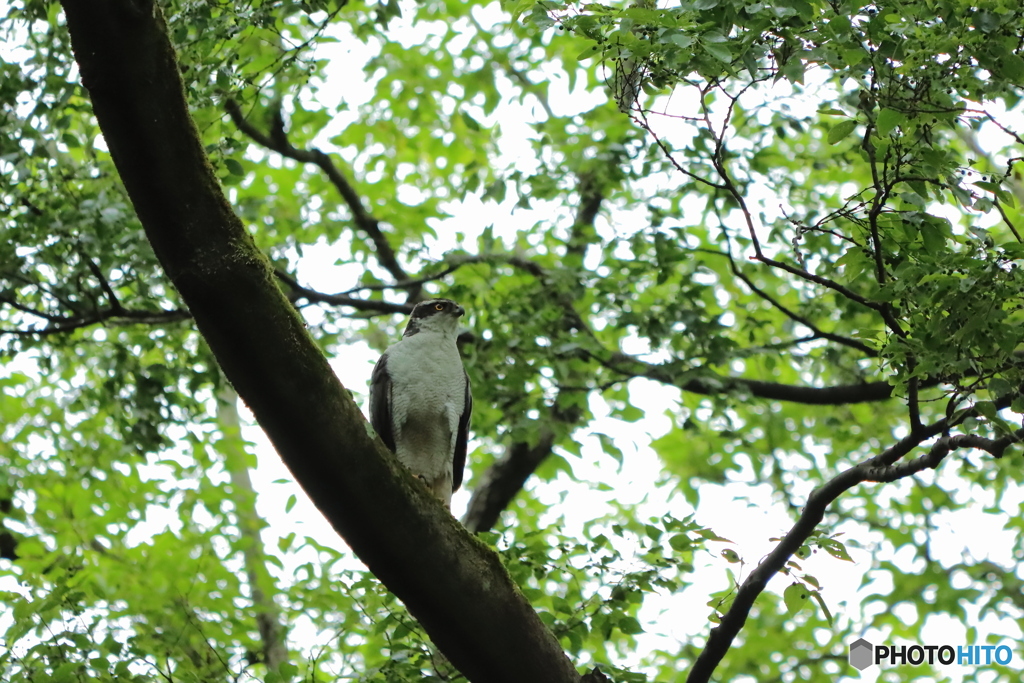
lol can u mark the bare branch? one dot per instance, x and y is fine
(792, 315)
(880, 468)
(13, 303)
(121, 317)
(278, 141)
(709, 383)
(297, 292)
(942, 447)
(1019, 140)
(729, 185)
(406, 284)
(115, 305)
(1006, 219)
(1016, 187)
(645, 124)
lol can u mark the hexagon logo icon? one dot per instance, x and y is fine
(861, 654)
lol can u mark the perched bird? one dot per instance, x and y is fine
(420, 399)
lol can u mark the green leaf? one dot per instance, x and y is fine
(589, 52)
(840, 131)
(470, 122)
(932, 237)
(824, 608)
(718, 51)
(710, 535)
(887, 120)
(630, 626)
(795, 596)
(681, 39)
(234, 167)
(680, 542)
(516, 8)
(835, 549)
(1011, 67)
(986, 408)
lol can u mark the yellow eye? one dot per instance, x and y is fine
(438, 307)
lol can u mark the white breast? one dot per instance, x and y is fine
(427, 398)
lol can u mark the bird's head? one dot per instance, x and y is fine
(435, 315)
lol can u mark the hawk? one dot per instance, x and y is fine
(420, 399)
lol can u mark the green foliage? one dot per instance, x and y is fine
(800, 194)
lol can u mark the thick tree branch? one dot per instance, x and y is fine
(943, 447)
(278, 141)
(451, 582)
(505, 478)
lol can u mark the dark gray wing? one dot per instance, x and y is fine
(462, 438)
(380, 402)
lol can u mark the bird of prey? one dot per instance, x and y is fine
(420, 399)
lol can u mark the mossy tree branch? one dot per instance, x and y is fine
(450, 581)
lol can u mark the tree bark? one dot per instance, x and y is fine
(450, 581)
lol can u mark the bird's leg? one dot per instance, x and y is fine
(433, 489)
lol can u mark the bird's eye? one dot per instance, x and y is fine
(438, 307)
